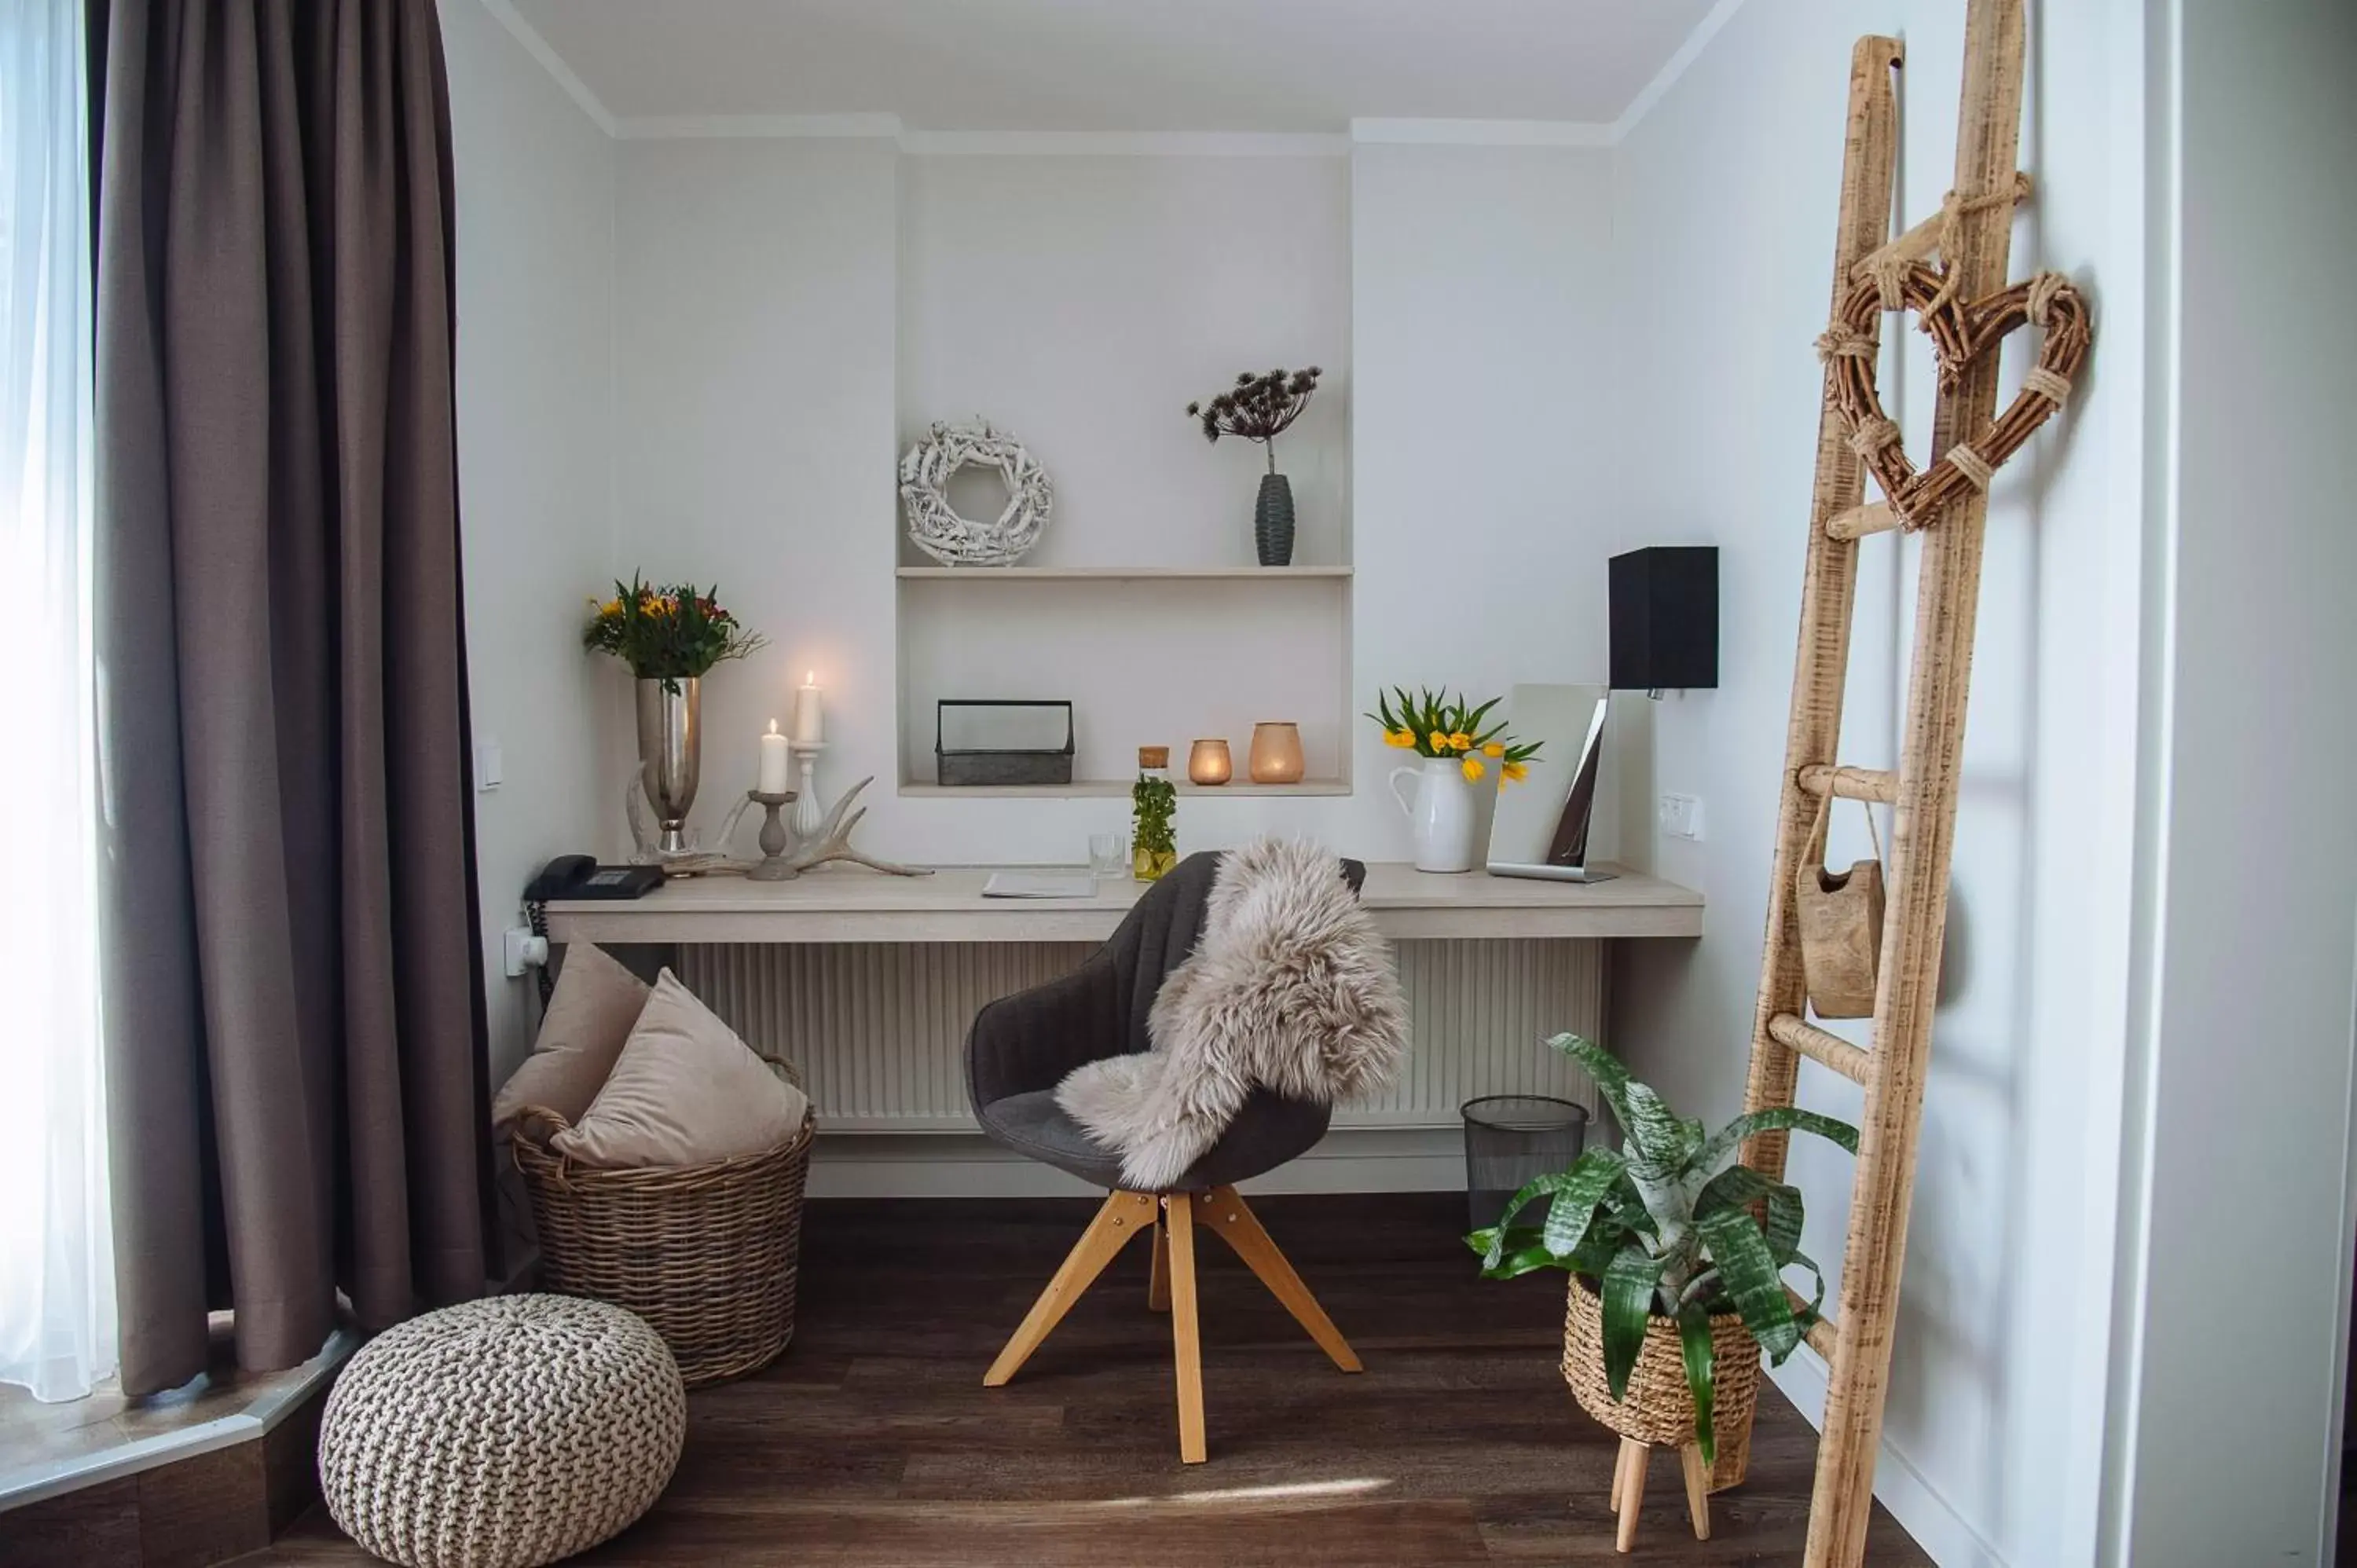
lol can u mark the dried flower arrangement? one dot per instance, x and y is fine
(1258, 408)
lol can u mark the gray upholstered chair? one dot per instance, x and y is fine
(1020, 1048)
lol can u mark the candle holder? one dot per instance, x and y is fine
(1208, 762)
(807, 816)
(774, 866)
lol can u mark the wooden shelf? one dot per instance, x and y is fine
(1119, 787)
(1120, 574)
(1144, 654)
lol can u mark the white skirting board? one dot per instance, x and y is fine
(878, 1032)
(1937, 1525)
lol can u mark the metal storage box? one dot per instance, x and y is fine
(981, 741)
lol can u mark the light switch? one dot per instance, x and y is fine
(489, 764)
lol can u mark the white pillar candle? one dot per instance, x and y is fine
(809, 723)
(777, 767)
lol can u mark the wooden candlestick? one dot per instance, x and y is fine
(774, 866)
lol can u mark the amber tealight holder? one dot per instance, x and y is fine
(1208, 762)
(1275, 752)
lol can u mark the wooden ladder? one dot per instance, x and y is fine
(1923, 789)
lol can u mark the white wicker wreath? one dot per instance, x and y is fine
(954, 540)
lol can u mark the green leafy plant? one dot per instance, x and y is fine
(670, 633)
(1442, 724)
(1156, 800)
(1668, 1227)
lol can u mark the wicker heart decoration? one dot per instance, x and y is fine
(1960, 333)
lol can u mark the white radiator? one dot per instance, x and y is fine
(877, 1030)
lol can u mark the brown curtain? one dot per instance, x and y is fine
(293, 1002)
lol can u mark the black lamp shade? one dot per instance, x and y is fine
(1665, 618)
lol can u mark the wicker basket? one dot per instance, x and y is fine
(706, 1253)
(1659, 1408)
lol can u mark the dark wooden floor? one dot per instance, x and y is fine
(873, 1441)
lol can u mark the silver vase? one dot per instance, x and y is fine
(669, 739)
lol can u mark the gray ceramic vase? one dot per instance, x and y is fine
(1272, 520)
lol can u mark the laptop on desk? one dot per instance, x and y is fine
(1540, 828)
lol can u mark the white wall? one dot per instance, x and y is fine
(1080, 303)
(2234, 1290)
(754, 342)
(787, 311)
(1727, 193)
(1485, 476)
(536, 383)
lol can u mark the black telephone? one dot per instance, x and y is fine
(580, 876)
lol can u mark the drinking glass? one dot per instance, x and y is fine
(1109, 854)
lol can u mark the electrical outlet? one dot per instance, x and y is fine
(524, 951)
(1681, 816)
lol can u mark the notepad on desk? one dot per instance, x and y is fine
(1034, 884)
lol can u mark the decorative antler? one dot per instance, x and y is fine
(728, 839)
(832, 841)
(643, 838)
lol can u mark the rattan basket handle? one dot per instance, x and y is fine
(537, 1124)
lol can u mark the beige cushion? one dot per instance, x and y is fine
(685, 1091)
(589, 1015)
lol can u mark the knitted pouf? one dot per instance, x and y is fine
(502, 1433)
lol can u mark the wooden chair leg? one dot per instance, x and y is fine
(1634, 1457)
(1226, 1214)
(1157, 1282)
(1125, 1215)
(1185, 1343)
(1698, 1488)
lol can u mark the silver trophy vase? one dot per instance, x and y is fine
(670, 736)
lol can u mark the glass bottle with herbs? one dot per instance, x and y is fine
(1153, 802)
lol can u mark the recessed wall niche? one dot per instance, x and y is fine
(1079, 303)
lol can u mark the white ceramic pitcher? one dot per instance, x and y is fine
(1441, 810)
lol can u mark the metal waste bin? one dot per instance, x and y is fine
(1510, 1140)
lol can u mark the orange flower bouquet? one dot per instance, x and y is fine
(667, 632)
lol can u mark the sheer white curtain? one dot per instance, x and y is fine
(57, 1266)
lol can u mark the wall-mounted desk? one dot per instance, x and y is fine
(848, 904)
(867, 982)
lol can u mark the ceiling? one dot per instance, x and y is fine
(1118, 65)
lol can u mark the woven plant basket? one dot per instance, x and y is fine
(706, 1253)
(1659, 1408)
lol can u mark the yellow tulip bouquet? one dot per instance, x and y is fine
(1439, 724)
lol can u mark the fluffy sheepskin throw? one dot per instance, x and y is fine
(1289, 989)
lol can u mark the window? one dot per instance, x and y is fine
(57, 1268)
